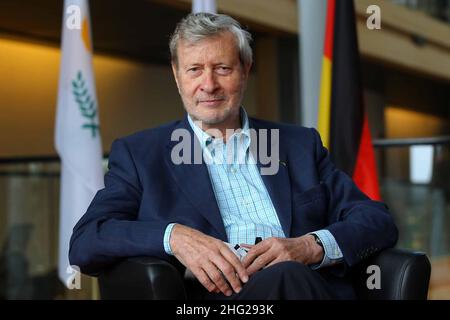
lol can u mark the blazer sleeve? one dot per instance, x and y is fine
(110, 229)
(360, 226)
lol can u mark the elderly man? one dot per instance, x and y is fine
(313, 221)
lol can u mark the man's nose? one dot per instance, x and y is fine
(209, 83)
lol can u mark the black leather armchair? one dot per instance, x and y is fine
(405, 275)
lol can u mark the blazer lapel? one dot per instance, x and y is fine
(193, 179)
(278, 185)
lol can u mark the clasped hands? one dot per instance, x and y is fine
(218, 269)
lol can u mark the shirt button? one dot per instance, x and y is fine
(233, 170)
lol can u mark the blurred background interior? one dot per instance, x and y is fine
(406, 77)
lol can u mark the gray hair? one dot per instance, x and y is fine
(198, 26)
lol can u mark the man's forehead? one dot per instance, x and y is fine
(217, 47)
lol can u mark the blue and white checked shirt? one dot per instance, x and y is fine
(244, 203)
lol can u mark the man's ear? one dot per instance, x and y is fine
(175, 74)
(246, 70)
(245, 74)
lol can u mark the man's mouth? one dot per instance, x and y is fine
(211, 102)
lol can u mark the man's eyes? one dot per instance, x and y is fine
(194, 69)
(219, 69)
(223, 70)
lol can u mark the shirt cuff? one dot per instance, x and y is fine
(332, 252)
(167, 234)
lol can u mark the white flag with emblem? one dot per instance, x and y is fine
(204, 6)
(77, 134)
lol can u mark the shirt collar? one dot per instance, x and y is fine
(242, 135)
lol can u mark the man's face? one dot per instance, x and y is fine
(211, 80)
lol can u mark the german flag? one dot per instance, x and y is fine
(342, 121)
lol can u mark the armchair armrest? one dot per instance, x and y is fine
(405, 275)
(143, 278)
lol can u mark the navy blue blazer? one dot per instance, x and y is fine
(145, 191)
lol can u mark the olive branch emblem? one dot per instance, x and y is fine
(85, 103)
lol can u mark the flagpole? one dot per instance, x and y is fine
(95, 294)
(204, 6)
(311, 38)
